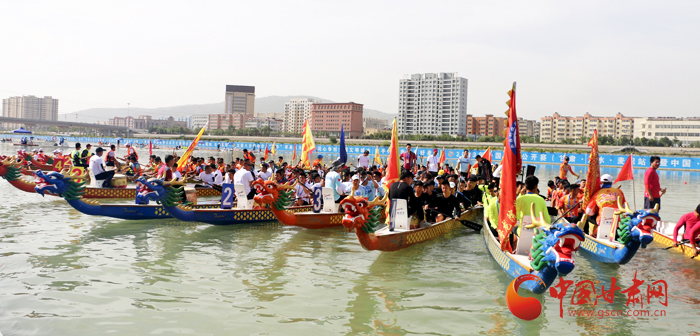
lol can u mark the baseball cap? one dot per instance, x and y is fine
(473, 178)
(355, 177)
(452, 184)
(606, 178)
(320, 156)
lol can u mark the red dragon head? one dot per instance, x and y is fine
(268, 192)
(356, 212)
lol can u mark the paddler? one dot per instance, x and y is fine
(77, 157)
(570, 205)
(565, 168)
(318, 161)
(111, 158)
(130, 151)
(606, 197)
(531, 196)
(690, 222)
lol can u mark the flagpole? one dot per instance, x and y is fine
(634, 192)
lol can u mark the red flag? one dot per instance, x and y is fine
(487, 154)
(627, 173)
(266, 151)
(511, 163)
(442, 156)
(150, 147)
(593, 175)
(294, 153)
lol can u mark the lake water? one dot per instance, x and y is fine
(65, 273)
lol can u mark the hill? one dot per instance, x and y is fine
(264, 105)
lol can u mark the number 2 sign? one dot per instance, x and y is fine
(227, 195)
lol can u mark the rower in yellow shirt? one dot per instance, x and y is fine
(523, 202)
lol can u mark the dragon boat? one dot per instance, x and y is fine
(170, 193)
(663, 234)
(279, 198)
(365, 217)
(548, 255)
(70, 189)
(619, 239)
(11, 171)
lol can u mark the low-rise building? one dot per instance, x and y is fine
(687, 130)
(274, 124)
(557, 127)
(225, 120)
(487, 125)
(529, 128)
(198, 121)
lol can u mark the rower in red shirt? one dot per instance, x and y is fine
(691, 224)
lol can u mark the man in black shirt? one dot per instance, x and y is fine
(444, 206)
(472, 193)
(403, 190)
(484, 169)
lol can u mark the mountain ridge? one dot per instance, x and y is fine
(263, 105)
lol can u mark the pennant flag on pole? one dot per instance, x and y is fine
(307, 144)
(487, 154)
(294, 153)
(511, 163)
(392, 169)
(343, 151)
(593, 175)
(266, 151)
(150, 147)
(627, 172)
(273, 151)
(377, 157)
(190, 149)
(442, 156)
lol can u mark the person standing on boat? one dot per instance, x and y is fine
(98, 170)
(363, 160)
(433, 162)
(565, 168)
(690, 223)
(334, 181)
(403, 189)
(652, 188)
(408, 158)
(463, 164)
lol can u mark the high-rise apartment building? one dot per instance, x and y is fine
(240, 99)
(329, 117)
(557, 128)
(29, 107)
(433, 104)
(296, 111)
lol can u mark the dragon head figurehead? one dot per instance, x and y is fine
(361, 214)
(10, 169)
(555, 245)
(356, 212)
(637, 225)
(150, 189)
(269, 192)
(58, 184)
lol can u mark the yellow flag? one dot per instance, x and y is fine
(377, 158)
(307, 144)
(273, 148)
(190, 149)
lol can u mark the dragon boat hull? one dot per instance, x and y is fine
(128, 211)
(610, 252)
(664, 237)
(517, 265)
(310, 219)
(389, 241)
(26, 185)
(227, 216)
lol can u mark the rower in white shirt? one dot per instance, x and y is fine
(97, 168)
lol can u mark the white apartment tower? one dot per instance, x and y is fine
(433, 104)
(296, 111)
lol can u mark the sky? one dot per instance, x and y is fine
(639, 58)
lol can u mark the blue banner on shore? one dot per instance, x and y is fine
(613, 160)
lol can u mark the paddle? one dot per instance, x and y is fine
(683, 241)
